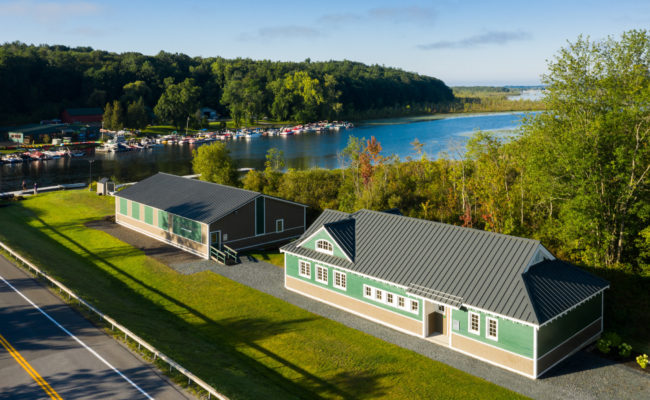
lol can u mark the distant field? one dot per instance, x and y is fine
(245, 343)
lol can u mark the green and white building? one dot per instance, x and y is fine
(502, 299)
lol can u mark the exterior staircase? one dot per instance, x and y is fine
(225, 256)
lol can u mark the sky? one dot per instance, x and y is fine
(462, 42)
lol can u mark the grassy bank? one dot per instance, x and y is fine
(245, 343)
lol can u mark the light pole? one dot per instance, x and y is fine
(90, 184)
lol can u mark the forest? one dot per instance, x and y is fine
(38, 82)
(574, 177)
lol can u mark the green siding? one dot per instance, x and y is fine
(556, 332)
(148, 215)
(135, 210)
(259, 216)
(124, 206)
(514, 337)
(163, 220)
(354, 285)
(311, 244)
(186, 228)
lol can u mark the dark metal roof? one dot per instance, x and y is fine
(196, 200)
(343, 232)
(556, 286)
(445, 263)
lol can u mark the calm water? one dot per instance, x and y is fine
(301, 151)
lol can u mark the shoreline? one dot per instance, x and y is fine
(434, 117)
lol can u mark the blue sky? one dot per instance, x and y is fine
(461, 42)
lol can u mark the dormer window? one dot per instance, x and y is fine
(324, 247)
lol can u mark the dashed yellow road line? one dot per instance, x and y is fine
(31, 371)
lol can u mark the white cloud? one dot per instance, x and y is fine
(487, 38)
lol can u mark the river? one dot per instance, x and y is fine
(445, 133)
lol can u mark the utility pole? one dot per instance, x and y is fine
(90, 184)
(187, 124)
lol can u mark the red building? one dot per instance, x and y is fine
(85, 115)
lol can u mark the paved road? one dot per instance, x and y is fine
(40, 360)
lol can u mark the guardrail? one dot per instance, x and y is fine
(191, 378)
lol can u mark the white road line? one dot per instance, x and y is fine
(78, 340)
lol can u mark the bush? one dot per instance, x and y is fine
(624, 350)
(604, 345)
(613, 338)
(642, 361)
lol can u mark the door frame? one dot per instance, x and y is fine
(219, 238)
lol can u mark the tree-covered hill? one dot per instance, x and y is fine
(37, 82)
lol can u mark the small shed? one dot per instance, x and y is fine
(105, 186)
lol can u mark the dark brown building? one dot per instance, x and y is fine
(201, 217)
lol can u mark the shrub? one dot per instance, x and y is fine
(624, 350)
(604, 345)
(642, 361)
(613, 338)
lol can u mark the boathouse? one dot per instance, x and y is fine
(502, 299)
(206, 218)
(85, 115)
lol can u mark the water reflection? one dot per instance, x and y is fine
(301, 151)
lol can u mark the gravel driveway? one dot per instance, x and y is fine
(582, 376)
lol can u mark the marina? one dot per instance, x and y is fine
(126, 159)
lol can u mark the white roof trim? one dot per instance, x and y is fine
(561, 313)
(322, 228)
(540, 249)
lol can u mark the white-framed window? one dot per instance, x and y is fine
(367, 291)
(321, 274)
(324, 246)
(304, 269)
(379, 295)
(340, 280)
(414, 306)
(474, 323)
(492, 331)
(279, 225)
(401, 302)
(390, 298)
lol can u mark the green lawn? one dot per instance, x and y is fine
(273, 257)
(245, 343)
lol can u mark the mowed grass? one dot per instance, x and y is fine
(271, 256)
(243, 342)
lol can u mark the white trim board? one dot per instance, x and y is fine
(354, 312)
(492, 362)
(562, 313)
(352, 298)
(322, 228)
(572, 336)
(491, 345)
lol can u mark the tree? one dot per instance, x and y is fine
(136, 115)
(107, 118)
(214, 164)
(178, 102)
(274, 160)
(116, 118)
(588, 156)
